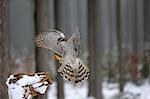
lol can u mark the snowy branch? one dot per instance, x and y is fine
(26, 86)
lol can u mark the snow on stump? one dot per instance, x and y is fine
(26, 86)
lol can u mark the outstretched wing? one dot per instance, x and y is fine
(76, 41)
(50, 40)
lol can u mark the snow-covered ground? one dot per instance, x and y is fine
(131, 91)
(71, 91)
(110, 91)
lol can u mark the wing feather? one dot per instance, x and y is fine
(50, 40)
(76, 41)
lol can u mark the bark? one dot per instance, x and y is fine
(146, 68)
(91, 59)
(119, 41)
(147, 19)
(4, 69)
(41, 25)
(60, 85)
(95, 41)
(59, 17)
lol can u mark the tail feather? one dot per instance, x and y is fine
(82, 73)
(77, 74)
(67, 72)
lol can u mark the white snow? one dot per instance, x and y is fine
(19, 88)
(41, 89)
(72, 91)
(28, 80)
(109, 91)
(139, 92)
(15, 92)
(76, 91)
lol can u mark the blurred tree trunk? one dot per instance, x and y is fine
(134, 39)
(147, 19)
(136, 29)
(119, 42)
(132, 17)
(146, 68)
(59, 6)
(41, 25)
(4, 69)
(91, 32)
(96, 48)
(99, 47)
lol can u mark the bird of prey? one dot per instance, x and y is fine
(67, 52)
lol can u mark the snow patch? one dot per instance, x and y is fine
(109, 91)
